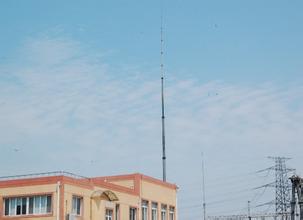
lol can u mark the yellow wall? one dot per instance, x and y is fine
(30, 190)
(157, 193)
(94, 209)
(162, 195)
(125, 201)
(126, 183)
(69, 191)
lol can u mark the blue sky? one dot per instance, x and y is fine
(235, 40)
(79, 91)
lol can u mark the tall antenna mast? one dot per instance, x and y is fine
(162, 99)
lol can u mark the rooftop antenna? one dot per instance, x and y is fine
(162, 101)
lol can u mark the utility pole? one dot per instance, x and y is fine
(248, 210)
(203, 188)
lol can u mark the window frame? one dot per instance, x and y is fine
(171, 210)
(117, 211)
(108, 217)
(7, 211)
(136, 212)
(154, 216)
(75, 211)
(143, 207)
(164, 210)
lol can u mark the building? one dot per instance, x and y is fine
(65, 196)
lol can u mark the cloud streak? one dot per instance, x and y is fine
(67, 109)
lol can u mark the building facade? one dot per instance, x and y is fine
(64, 196)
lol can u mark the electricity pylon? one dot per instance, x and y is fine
(282, 187)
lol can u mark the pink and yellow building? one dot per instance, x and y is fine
(63, 196)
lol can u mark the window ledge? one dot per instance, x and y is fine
(26, 216)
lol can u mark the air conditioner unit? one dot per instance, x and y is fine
(71, 217)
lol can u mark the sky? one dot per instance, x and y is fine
(80, 92)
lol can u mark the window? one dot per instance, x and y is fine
(37, 204)
(28, 205)
(154, 211)
(109, 214)
(6, 206)
(77, 205)
(24, 205)
(171, 213)
(132, 213)
(117, 215)
(21, 206)
(12, 206)
(48, 204)
(163, 212)
(31, 205)
(144, 207)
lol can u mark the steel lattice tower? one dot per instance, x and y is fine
(282, 188)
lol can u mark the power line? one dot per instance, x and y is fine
(228, 183)
(257, 197)
(281, 185)
(241, 194)
(244, 191)
(228, 211)
(226, 200)
(244, 177)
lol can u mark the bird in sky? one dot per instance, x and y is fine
(16, 149)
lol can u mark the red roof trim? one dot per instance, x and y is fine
(90, 183)
(112, 186)
(30, 181)
(158, 182)
(141, 176)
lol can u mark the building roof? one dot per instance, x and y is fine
(82, 181)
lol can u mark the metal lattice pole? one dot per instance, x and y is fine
(282, 188)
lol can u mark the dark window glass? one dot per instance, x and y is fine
(117, 215)
(49, 204)
(23, 206)
(132, 213)
(78, 206)
(18, 210)
(6, 203)
(31, 205)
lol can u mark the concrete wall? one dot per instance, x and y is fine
(69, 192)
(94, 209)
(162, 195)
(125, 202)
(29, 191)
(126, 183)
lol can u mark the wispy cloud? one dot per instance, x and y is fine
(66, 109)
